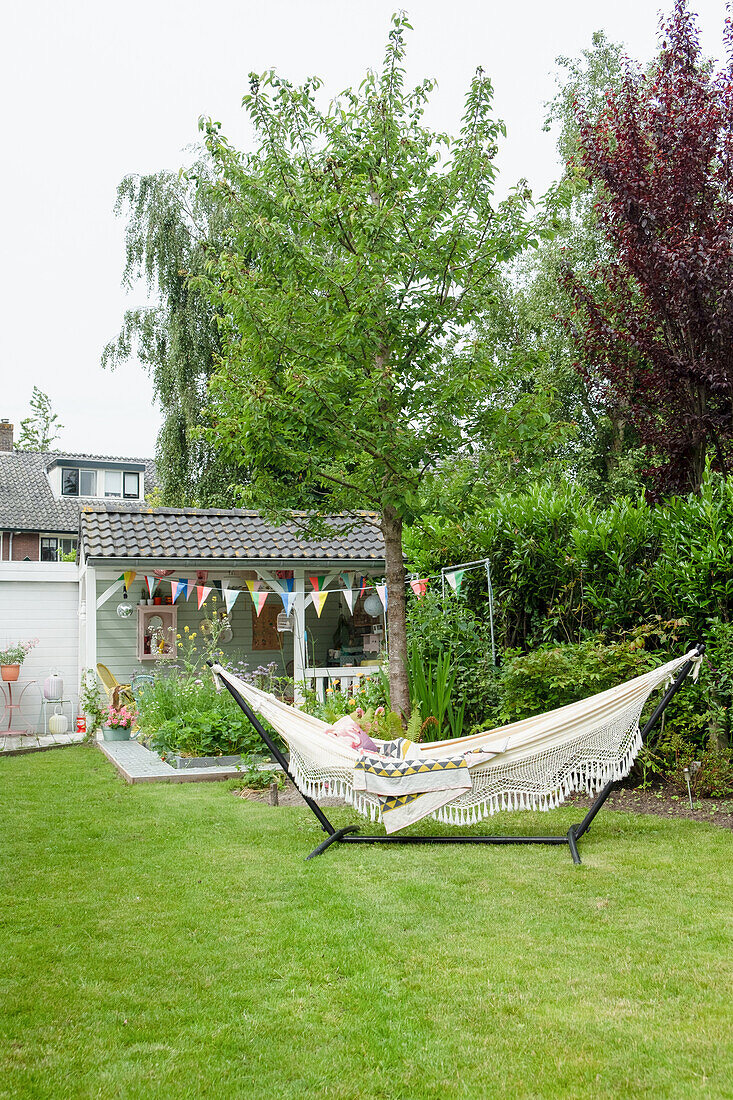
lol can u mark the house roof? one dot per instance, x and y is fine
(27, 502)
(187, 534)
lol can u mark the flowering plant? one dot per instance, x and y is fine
(16, 654)
(119, 717)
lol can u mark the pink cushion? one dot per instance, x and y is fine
(347, 730)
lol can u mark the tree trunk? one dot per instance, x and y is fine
(399, 686)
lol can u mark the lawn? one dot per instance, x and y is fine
(170, 941)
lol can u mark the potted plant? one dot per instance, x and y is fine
(12, 658)
(118, 723)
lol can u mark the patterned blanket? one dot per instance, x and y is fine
(409, 785)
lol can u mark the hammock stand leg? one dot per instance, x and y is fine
(350, 834)
(283, 762)
(576, 831)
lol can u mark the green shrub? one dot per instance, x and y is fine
(437, 626)
(552, 676)
(221, 732)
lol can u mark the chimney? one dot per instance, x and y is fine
(6, 435)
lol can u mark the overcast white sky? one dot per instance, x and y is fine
(92, 91)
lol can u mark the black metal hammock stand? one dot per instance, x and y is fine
(351, 834)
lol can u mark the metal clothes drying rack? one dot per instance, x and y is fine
(350, 834)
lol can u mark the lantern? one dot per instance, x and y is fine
(124, 609)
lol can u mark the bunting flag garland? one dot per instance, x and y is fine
(349, 595)
(178, 587)
(319, 599)
(150, 583)
(318, 583)
(201, 594)
(129, 577)
(455, 579)
(230, 597)
(419, 587)
(382, 593)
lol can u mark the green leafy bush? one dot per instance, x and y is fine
(553, 676)
(445, 625)
(220, 732)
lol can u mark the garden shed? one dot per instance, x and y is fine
(298, 602)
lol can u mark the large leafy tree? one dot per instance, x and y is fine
(364, 246)
(173, 223)
(655, 326)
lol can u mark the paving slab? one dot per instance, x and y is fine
(136, 764)
(15, 744)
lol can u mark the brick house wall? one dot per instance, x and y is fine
(26, 544)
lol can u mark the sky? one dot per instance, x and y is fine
(94, 91)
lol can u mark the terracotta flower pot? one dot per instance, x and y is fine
(10, 672)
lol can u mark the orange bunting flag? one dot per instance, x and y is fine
(419, 587)
(201, 593)
(319, 599)
(129, 577)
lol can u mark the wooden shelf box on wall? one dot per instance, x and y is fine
(156, 633)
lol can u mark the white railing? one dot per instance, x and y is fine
(343, 679)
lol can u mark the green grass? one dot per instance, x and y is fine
(170, 941)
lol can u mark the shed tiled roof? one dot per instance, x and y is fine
(27, 502)
(186, 534)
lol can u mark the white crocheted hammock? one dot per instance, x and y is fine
(538, 763)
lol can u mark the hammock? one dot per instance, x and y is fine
(534, 764)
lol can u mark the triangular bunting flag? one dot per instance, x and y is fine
(348, 579)
(216, 585)
(362, 586)
(178, 587)
(455, 579)
(349, 595)
(230, 597)
(318, 583)
(201, 593)
(254, 587)
(150, 583)
(260, 599)
(288, 599)
(382, 593)
(129, 577)
(419, 587)
(319, 598)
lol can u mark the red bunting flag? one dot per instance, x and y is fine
(201, 594)
(419, 587)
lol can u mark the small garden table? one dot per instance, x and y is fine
(14, 704)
